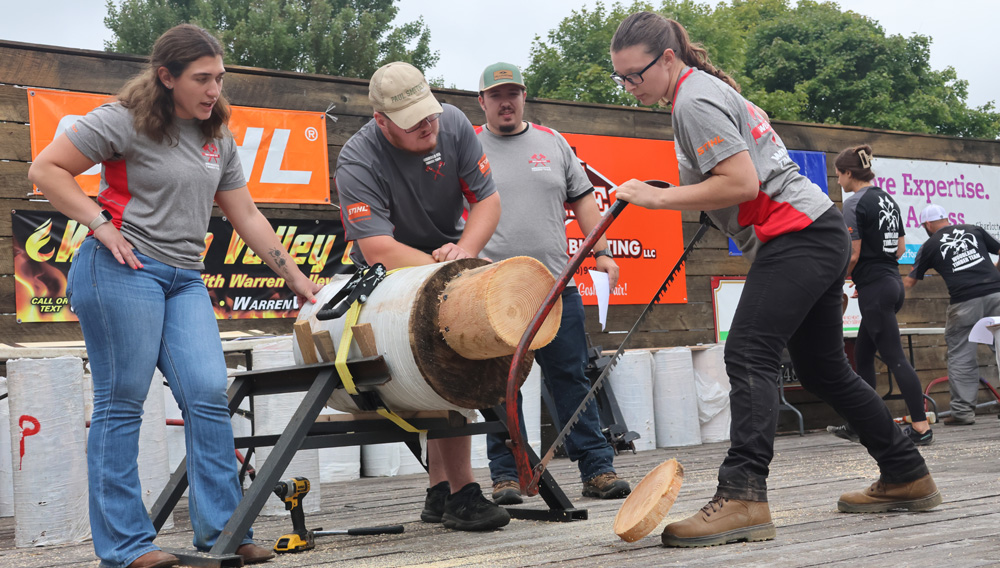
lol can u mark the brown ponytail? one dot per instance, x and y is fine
(656, 34)
(857, 161)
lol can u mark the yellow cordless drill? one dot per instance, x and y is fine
(292, 491)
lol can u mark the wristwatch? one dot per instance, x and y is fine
(101, 219)
(603, 252)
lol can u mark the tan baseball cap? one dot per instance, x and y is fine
(400, 91)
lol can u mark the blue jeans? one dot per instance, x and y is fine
(134, 321)
(563, 362)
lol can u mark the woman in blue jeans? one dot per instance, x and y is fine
(734, 166)
(135, 284)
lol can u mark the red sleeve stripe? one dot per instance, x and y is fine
(117, 195)
(469, 196)
(543, 129)
(771, 218)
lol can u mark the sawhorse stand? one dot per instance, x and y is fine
(319, 381)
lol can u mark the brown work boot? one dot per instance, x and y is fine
(253, 554)
(959, 420)
(720, 522)
(606, 486)
(507, 492)
(919, 495)
(155, 559)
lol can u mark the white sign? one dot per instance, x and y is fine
(969, 192)
(726, 294)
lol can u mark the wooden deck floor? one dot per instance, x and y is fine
(808, 475)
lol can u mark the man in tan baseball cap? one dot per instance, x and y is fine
(402, 180)
(400, 91)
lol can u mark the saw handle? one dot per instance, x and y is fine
(524, 471)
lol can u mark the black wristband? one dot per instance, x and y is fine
(603, 252)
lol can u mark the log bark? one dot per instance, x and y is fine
(466, 383)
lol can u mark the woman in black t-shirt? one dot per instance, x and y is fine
(877, 242)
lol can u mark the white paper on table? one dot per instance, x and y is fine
(602, 288)
(980, 334)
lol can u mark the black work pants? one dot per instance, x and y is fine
(792, 297)
(879, 301)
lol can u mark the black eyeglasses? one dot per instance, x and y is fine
(429, 120)
(634, 78)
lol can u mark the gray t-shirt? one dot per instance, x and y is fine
(536, 173)
(713, 122)
(160, 194)
(416, 199)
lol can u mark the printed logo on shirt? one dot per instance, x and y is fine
(358, 212)
(484, 166)
(888, 224)
(707, 145)
(431, 159)
(211, 153)
(963, 248)
(436, 170)
(539, 163)
(760, 126)
(433, 164)
(781, 156)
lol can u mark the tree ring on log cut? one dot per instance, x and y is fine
(484, 311)
(649, 502)
(463, 382)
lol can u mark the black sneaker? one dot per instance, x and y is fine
(434, 503)
(925, 439)
(507, 492)
(469, 510)
(845, 432)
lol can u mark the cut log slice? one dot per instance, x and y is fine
(649, 502)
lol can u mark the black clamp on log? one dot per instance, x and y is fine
(357, 289)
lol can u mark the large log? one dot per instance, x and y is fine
(404, 312)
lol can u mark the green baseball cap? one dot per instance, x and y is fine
(499, 74)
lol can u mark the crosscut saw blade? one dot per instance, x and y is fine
(531, 488)
(516, 442)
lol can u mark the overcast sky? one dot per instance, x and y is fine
(470, 34)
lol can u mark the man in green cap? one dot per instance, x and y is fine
(536, 173)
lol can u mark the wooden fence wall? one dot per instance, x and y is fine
(27, 65)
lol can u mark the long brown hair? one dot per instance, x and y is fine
(656, 34)
(857, 160)
(152, 103)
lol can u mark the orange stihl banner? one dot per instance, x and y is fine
(645, 243)
(283, 152)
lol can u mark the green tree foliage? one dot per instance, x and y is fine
(575, 63)
(811, 62)
(348, 38)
